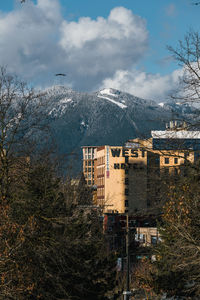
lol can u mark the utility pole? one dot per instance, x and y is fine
(127, 293)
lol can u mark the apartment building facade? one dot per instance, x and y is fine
(89, 164)
(118, 182)
(130, 178)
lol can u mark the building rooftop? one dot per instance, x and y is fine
(89, 146)
(173, 134)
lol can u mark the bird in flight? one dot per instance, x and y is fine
(60, 74)
(22, 1)
(196, 3)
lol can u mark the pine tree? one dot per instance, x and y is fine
(58, 249)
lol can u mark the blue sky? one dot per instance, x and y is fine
(113, 43)
(167, 22)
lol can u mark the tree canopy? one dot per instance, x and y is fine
(51, 240)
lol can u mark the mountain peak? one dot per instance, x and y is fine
(112, 95)
(56, 90)
(110, 92)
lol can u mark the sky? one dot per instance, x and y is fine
(98, 44)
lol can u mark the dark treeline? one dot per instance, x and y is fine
(51, 240)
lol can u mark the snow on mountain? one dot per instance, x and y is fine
(161, 104)
(57, 90)
(65, 100)
(108, 94)
(115, 102)
(59, 109)
(104, 117)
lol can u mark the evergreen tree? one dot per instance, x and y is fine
(57, 249)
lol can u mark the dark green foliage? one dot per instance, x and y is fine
(61, 252)
(92, 269)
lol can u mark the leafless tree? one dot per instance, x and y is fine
(20, 121)
(187, 54)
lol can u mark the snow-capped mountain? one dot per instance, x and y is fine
(108, 117)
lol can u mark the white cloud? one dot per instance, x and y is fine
(36, 42)
(28, 37)
(97, 48)
(141, 84)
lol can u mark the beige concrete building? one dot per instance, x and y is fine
(121, 174)
(132, 177)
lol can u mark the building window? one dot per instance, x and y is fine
(85, 169)
(126, 171)
(116, 166)
(89, 182)
(89, 163)
(89, 169)
(132, 224)
(153, 239)
(166, 160)
(126, 203)
(139, 237)
(126, 181)
(175, 160)
(126, 192)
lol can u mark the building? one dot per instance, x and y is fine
(89, 164)
(121, 173)
(132, 177)
(147, 236)
(142, 231)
